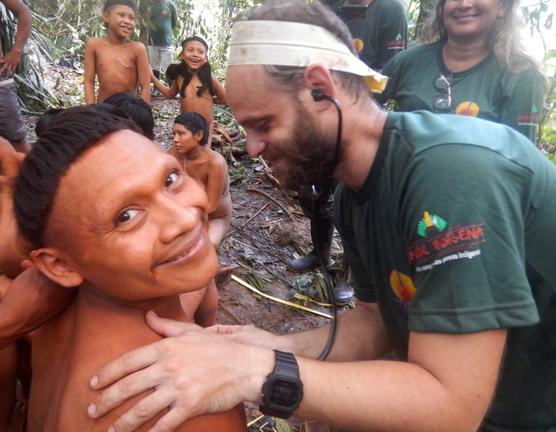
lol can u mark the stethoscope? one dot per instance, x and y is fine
(316, 193)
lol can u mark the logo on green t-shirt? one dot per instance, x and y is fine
(429, 222)
(440, 244)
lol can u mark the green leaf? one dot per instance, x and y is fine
(282, 426)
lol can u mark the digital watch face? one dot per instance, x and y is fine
(284, 393)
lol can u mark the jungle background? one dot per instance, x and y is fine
(268, 227)
(61, 28)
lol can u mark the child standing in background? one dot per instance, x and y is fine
(121, 65)
(193, 80)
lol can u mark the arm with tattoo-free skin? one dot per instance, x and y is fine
(143, 72)
(446, 384)
(168, 92)
(90, 70)
(13, 57)
(29, 301)
(219, 91)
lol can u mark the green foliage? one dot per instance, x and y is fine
(68, 24)
(418, 12)
(33, 94)
(540, 21)
(547, 138)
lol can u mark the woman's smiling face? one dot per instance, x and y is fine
(471, 19)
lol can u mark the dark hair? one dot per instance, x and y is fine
(194, 123)
(45, 120)
(72, 132)
(204, 74)
(111, 3)
(313, 13)
(136, 109)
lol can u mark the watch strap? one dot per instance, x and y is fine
(285, 363)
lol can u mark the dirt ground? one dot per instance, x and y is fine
(267, 229)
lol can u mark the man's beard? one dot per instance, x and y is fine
(311, 158)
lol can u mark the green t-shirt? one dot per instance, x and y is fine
(486, 90)
(163, 19)
(383, 32)
(454, 231)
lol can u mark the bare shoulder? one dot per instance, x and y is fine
(217, 161)
(93, 43)
(137, 47)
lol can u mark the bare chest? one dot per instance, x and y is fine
(110, 58)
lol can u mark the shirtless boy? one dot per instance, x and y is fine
(120, 64)
(129, 228)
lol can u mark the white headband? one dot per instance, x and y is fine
(282, 43)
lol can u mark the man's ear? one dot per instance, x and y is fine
(319, 77)
(54, 264)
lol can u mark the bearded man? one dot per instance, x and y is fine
(449, 226)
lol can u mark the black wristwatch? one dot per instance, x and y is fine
(283, 390)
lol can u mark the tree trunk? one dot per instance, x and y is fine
(426, 8)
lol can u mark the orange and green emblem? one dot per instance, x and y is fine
(430, 222)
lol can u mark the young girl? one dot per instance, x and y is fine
(209, 169)
(193, 80)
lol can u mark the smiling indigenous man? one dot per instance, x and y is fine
(117, 217)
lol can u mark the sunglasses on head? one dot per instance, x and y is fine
(443, 101)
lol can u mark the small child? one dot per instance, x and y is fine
(193, 80)
(120, 64)
(208, 168)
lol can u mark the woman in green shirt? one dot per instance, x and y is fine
(476, 66)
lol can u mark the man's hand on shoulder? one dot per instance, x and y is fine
(192, 371)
